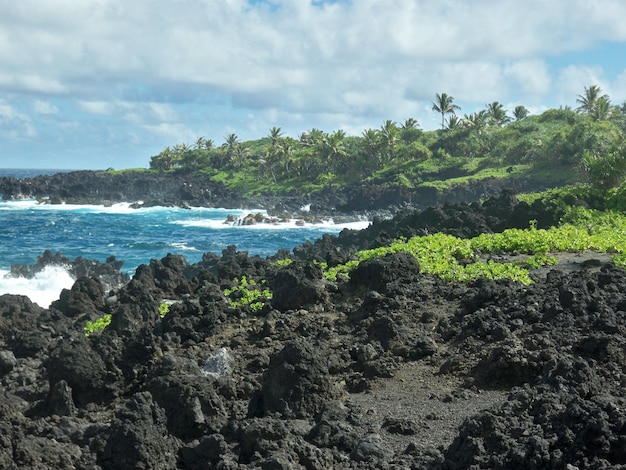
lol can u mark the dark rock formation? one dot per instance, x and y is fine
(393, 368)
(297, 286)
(377, 273)
(147, 188)
(297, 382)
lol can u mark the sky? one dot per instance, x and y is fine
(95, 84)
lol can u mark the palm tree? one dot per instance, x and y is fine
(520, 112)
(199, 143)
(164, 160)
(601, 110)
(241, 154)
(454, 122)
(311, 138)
(410, 131)
(497, 113)
(477, 120)
(208, 144)
(589, 99)
(275, 134)
(389, 134)
(279, 153)
(180, 148)
(444, 104)
(230, 145)
(410, 123)
(371, 144)
(334, 149)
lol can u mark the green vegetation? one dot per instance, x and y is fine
(583, 148)
(248, 293)
(282, 262)
(164, 309)
(96, 326)
(111, 171)
(456, 259)
(560, 146)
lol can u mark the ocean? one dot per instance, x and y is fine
(134, 236)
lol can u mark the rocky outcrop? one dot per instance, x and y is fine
(148, 188)
(100, 187)
(392, 368)
(299, 285)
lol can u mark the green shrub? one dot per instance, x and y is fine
(164, 309)
(616, 199)
(248, 293)
(282, 262)
(456, 259)
(97, 325)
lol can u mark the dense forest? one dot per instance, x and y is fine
(567, 145)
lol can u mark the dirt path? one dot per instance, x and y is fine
(419, 406)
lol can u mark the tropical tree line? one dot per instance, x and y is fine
(277, 156)
(590, 137)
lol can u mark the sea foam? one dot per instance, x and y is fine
(323, 226)
(42, 289)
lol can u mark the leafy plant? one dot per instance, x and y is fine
(97, 325)
(548, 147)
(164, 309)
(456, 259)
(248, 293)
(282, 262)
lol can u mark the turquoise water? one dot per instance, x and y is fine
(134, 236)
(137, 235)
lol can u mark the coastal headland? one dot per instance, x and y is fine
(146, 188)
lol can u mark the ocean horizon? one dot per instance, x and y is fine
(31, 172)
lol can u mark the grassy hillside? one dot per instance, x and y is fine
(557, 147)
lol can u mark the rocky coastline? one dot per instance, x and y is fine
(392, 368)
(146, 189)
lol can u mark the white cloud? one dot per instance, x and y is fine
(15, 125)
(232, 47)
(163, 112)
(531, 76)
(618, 89)
(152, 64)
(573, 79)
(45, 108)
(177, 132)
(30, 83)
(97, 107)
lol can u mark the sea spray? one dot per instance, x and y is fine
(134, 236)
(44, 288)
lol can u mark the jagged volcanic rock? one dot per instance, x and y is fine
(394, 368)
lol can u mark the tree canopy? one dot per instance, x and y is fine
(582, 145)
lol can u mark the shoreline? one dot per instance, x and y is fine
(364, 200)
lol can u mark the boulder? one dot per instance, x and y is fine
(378, 273)
(138, 437)
(297, 382)
(297, 285)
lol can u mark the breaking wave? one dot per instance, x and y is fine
(42, 289)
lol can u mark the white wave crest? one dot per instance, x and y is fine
(43, 289)
(182, 246)
(292, 224)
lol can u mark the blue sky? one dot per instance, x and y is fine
(109, 83)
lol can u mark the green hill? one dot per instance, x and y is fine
(555, 148)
